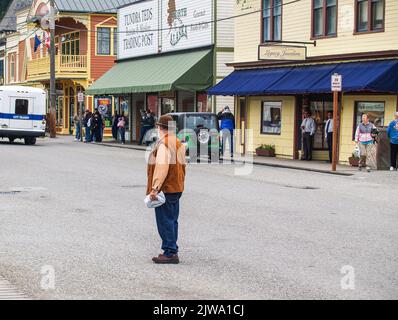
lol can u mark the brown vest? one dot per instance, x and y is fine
(174, 181)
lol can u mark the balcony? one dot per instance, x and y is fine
(69, 67)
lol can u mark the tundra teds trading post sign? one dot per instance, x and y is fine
(156, 26)
(137, 29)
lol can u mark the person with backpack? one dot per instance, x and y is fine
(365, 138)
(392, 133)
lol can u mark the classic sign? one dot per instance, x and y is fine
(281, 52)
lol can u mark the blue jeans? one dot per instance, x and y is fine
(77, 136)
(227, 138)
(167, 222)
(88, 134)
(122, 132)
(143, 131)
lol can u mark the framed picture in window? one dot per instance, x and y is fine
(271, 117)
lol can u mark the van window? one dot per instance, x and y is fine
(21, 107)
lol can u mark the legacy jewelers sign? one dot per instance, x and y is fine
(156, 26)
(279, 52)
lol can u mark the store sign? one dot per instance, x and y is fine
(280, 52)
(137, 29)
(186, 24)
(156, 26)
(337, 82)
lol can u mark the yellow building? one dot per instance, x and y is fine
(285, 55)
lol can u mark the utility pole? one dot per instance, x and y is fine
(53, 96)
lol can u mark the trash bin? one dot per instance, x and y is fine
(383, 150)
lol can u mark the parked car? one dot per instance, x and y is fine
(199, 132)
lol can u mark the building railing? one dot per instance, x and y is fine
(65, 65)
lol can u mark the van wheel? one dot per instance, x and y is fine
(11, 139)
(30, 141)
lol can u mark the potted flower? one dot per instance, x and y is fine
(354, 160)
(266, 150)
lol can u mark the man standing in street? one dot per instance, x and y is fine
(392, 133)
(227, 127)
(147, 123)
(329, 135)
(166, 173)
(308, 128)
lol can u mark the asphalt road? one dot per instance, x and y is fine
(78, 210)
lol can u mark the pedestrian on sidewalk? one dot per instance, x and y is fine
(308, 128)
(121, 125)
(166, 173)
(392, 133)
(364, 138)
(77, 124)
(87, 125)
(227, 127)
(329, 135)
(97, 126)
(115, 121)
(147, 123)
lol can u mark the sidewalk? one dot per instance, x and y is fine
(314, 166)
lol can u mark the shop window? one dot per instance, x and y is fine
(202, 102)
(122, 106)
(152, 102)
(375, 111)
(104, 106)
(369, 15)
(319, 111)
(104, 41)
(272, 20)
(271, 117)
(324, 18)
(21, 107)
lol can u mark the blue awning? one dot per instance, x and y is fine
(367, 76)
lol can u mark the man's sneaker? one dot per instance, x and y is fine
(368, 169)
(162, 259)
(392, 169)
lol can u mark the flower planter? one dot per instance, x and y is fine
(265, 152)
(353, 161)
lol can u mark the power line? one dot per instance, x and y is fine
(19, 41)
(189, 25)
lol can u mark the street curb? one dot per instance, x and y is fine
(274, 165)
(282, 166)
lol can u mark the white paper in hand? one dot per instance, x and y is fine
(157, 203)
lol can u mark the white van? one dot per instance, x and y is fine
(22, 113)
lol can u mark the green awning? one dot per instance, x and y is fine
(191, 71)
